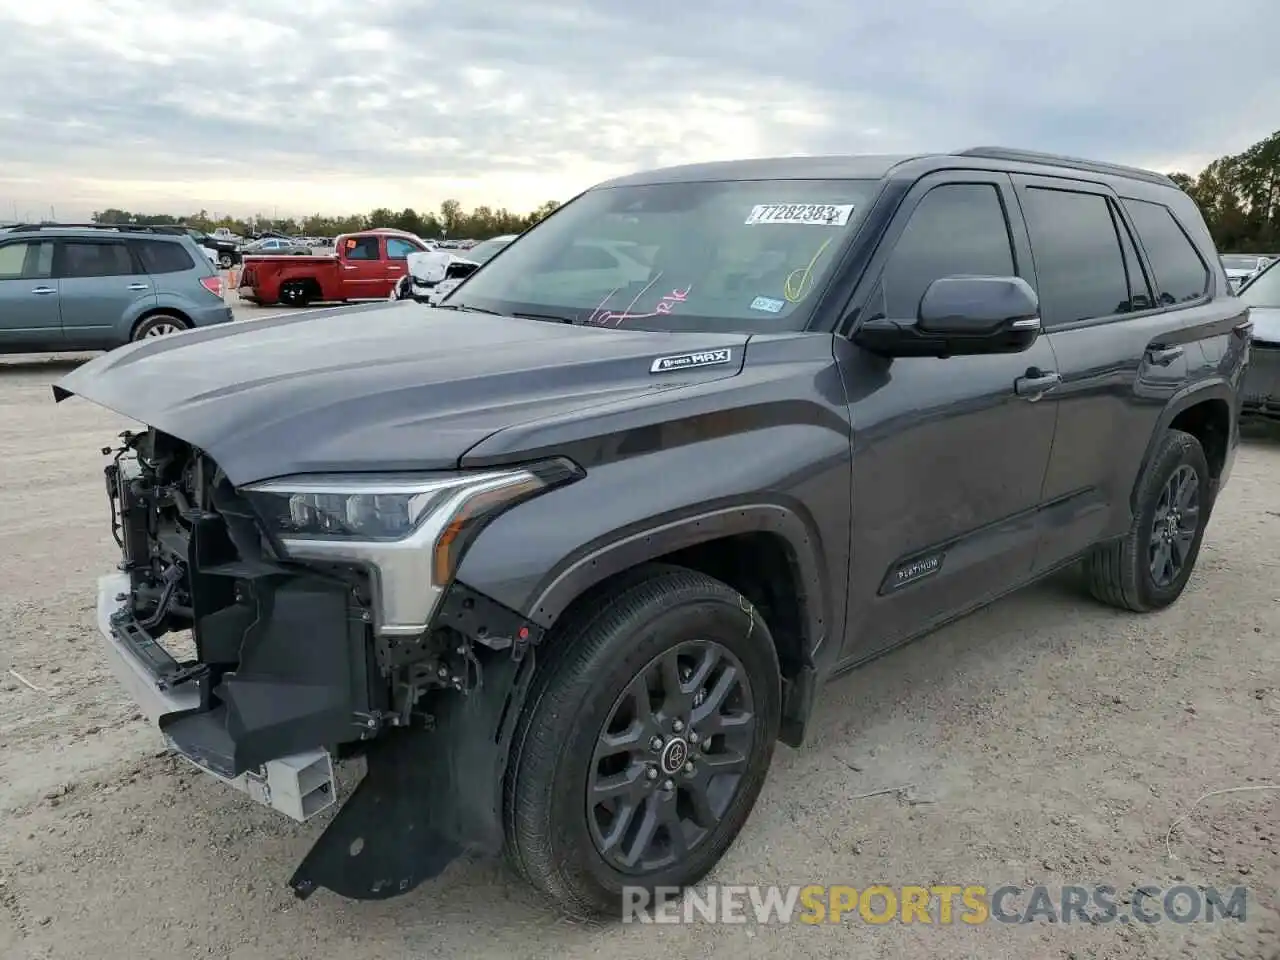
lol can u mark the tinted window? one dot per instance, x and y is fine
(1140, 295)
(160, 257)
(1179, 272)
(398, 249)
(362, 248)
(957, 229)
(26, 260)
(1079, 266)
(84, 259)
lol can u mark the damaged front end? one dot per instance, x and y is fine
(324, 624)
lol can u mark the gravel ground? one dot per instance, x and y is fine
(1046, 740)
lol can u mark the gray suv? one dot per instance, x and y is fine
(87, 287)
(565, 557)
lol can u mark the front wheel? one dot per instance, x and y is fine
(646, 741)
(225, 261)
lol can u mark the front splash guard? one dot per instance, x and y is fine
(428, 795)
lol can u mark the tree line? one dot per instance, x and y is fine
(451, 220)
(1239, 195)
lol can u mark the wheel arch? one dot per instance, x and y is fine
(157, 311)
(766, 552)
(1203, 410)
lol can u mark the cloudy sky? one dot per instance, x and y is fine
(247, 106)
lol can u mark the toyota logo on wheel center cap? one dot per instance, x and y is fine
(675, 755)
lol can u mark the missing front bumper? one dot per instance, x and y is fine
(302, 683)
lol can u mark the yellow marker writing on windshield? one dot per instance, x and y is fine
(795, 289)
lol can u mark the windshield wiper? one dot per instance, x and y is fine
(541, 316)
(467, 308)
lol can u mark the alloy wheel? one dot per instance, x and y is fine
(161, 329)
(670, 757)
(1173, 529)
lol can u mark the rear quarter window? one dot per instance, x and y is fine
(1181, 276)
(160, 257)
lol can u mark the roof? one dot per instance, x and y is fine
(877, 166)
(864, 167)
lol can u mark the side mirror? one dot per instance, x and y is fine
(961, 316)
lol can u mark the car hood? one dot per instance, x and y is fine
(1266, 324)
(389, 386)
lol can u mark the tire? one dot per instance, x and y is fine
(552, 831)
(296, 293)
(160, 325)
(225, 261)
(1120, 573)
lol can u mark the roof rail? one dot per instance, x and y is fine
(1013, 155)
(123, 227)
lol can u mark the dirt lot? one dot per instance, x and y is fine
(1046, 739)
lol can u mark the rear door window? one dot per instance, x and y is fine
(1080, 269)
(85, 258)
(160, 257)
(1180, 274)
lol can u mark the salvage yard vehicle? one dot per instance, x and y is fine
(431, 275)
(564, 558)
(1262, 379)
(364, 266)
(97, 286)
(280, 246)
(1240, 267)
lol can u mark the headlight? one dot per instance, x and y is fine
(408, 531)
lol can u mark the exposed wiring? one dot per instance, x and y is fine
(794, 290)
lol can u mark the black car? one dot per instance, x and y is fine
(566, 556)
(228, 252)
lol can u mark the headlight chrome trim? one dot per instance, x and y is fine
(409, 575)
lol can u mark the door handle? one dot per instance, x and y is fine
(1036, 382)
(138, 286)
(43, 291)
(1163, 356)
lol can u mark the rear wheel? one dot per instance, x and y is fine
(225, 261)
(159, 325)
(296, 293)
(1149, 567)
(645, 742)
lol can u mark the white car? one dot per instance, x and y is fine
(1240, 267)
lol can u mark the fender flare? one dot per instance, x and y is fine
(1213, 388)
(595, 564)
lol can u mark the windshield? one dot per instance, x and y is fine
(482, 251)
(1264, 289)
(1240, 263)
(724, 255)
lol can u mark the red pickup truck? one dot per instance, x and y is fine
(363, 266)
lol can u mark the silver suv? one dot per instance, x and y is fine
(89, 287)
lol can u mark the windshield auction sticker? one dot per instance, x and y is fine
(807, 214)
